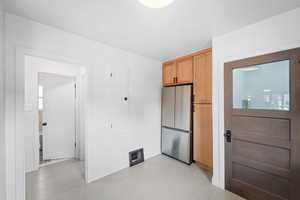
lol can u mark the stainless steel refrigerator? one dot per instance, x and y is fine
(177, 122)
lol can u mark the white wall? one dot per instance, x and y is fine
(114, 127)
(2, 138)
(34, 65)
(278, 33)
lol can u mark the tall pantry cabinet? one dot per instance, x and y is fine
(196, 69)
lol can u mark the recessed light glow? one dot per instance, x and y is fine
(156, 3)
(249, 69)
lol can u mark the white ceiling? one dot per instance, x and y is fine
(183, 27)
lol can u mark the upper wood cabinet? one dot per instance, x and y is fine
(169, 74)
(178, 72)
(202, 135)
(203, 78)
(184, 71)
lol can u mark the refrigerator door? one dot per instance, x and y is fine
(176, 144)
(168, 106)
(183, 107)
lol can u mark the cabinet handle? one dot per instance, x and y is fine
(176, 79)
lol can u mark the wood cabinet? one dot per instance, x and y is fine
(202, 138)
(185, 71)
(203, 78)
(169, 74)
(196, 68)
(178, 72)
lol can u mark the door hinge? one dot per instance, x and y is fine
(75, 90)
(75, 144)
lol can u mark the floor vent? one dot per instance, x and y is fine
(136, 157)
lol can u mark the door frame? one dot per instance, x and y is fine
(294, 56)
(15, 143)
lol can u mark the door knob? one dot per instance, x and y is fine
(44, 124)
(227, 135)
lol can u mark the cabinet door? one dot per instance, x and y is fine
(169, 74)
(203, 135)
(203, 78)
(185, 71)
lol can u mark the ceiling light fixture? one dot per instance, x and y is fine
(156, 3)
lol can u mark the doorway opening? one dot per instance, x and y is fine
(57, 123)
(55, 132)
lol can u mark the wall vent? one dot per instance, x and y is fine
(136, 157)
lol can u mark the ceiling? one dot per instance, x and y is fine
(183, 27)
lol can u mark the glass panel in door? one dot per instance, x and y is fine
(264, 86)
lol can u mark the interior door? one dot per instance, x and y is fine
(59, 115)
(262, 133)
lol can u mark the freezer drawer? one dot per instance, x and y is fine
(168, 106)
(183, 107)
(176, 144)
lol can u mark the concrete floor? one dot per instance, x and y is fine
(158, 178)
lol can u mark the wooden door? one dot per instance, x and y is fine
(262, 126)
(184, 71)
(169, 74)
(203, 78)
(202, 137)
